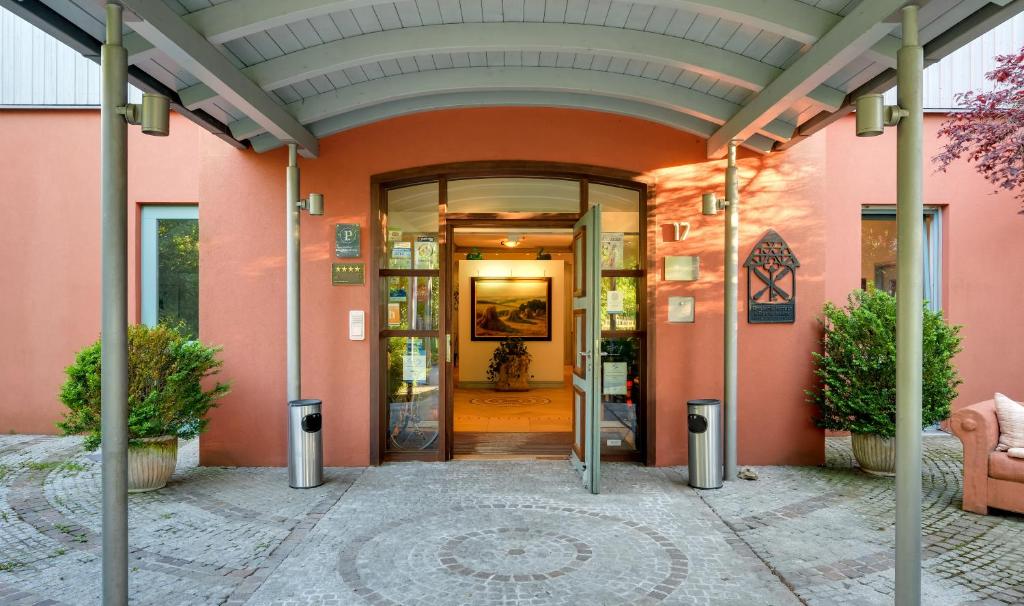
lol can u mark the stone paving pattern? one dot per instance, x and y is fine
(508, 532)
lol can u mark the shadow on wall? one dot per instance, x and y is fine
(775, 193)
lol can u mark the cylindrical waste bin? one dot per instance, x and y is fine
(305, 444)
(704, 420)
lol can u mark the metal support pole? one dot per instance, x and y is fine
(732, 261)
(909, 320)
(114, 323)
(292, 273)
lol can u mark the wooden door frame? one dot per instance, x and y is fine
(441, 173)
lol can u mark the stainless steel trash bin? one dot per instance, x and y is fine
(305, 444)
(704, 421)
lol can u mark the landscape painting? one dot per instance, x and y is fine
(511, 307)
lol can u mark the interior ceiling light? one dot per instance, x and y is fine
(512, 240)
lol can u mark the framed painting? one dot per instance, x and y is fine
(511, 307)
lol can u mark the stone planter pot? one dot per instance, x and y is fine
(151, 462)
(874, 454)
(512, 382)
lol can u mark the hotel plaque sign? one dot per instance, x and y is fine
(771, 281)
(347, 273)
(346, 240)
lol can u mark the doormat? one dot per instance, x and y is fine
(510, 400)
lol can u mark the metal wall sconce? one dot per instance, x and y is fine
(873, 115)
(680, 230)
(710, 204)
(314, 203)
(154, 114)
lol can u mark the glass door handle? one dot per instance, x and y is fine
(448, 348)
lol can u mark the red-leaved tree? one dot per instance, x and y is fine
(989, 131)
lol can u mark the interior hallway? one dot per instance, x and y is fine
(530, 423)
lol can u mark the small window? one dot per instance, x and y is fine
(170, 267)
(878, 252)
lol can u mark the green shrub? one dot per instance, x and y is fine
(165, 392)
(857, 367)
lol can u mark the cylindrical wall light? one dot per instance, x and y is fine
(870, 115)
(156, 115)
(316, 204)
(709, 204)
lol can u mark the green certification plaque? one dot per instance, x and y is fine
(347, 273)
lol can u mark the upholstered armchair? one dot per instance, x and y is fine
(991, 478)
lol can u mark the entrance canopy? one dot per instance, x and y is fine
(262, 73)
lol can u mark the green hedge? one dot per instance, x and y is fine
(857, 367)
(165, 392)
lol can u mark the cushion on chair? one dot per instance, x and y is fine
(1011, 422)
(1003, 467)
(1016, 453)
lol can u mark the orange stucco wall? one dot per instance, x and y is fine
(51, 271)
(982, 268)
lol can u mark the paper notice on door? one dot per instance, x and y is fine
(394, 235)
(614, 378)
(414, 367)
(614, 303)
(394, 315)
(612, 250)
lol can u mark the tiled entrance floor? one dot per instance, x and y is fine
(507, 532)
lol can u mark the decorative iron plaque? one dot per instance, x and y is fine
(347, 273)
(346, 240)
(771, 281)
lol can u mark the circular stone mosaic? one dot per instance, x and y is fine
(501, 553)
(510, 400)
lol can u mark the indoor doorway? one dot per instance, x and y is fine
(512, 392)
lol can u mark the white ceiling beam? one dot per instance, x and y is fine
(710, 61)
(541, 79)
(857, 31)
(413, 105)
(168, 32)
(238, 18)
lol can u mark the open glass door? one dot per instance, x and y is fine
(586, 339)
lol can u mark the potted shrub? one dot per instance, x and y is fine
(166, 399)
(856, 370)
(509, 369)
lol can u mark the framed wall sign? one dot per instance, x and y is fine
(511, 307)
(346, 240)
(771, 281)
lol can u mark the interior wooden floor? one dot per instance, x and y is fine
(526, 424)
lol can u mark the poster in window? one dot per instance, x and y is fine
(614, 304)
(414, 367)
(614, 374)
(394, 315)
(612, 250)
(425, 252)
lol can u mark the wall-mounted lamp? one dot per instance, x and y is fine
(314, 203)
(154, 114)
(710, 204)
(873, 115)
(680, 230)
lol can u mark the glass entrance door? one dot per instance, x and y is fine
(586, 340)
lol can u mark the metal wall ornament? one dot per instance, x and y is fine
(771, 281)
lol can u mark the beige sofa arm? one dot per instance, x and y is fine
(978, 430)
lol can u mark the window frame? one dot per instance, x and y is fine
(932, 249)
(149, 262)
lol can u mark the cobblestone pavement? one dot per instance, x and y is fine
(511, 532)
(828, 532)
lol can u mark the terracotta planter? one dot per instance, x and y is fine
(874, 454)
(151, 462)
